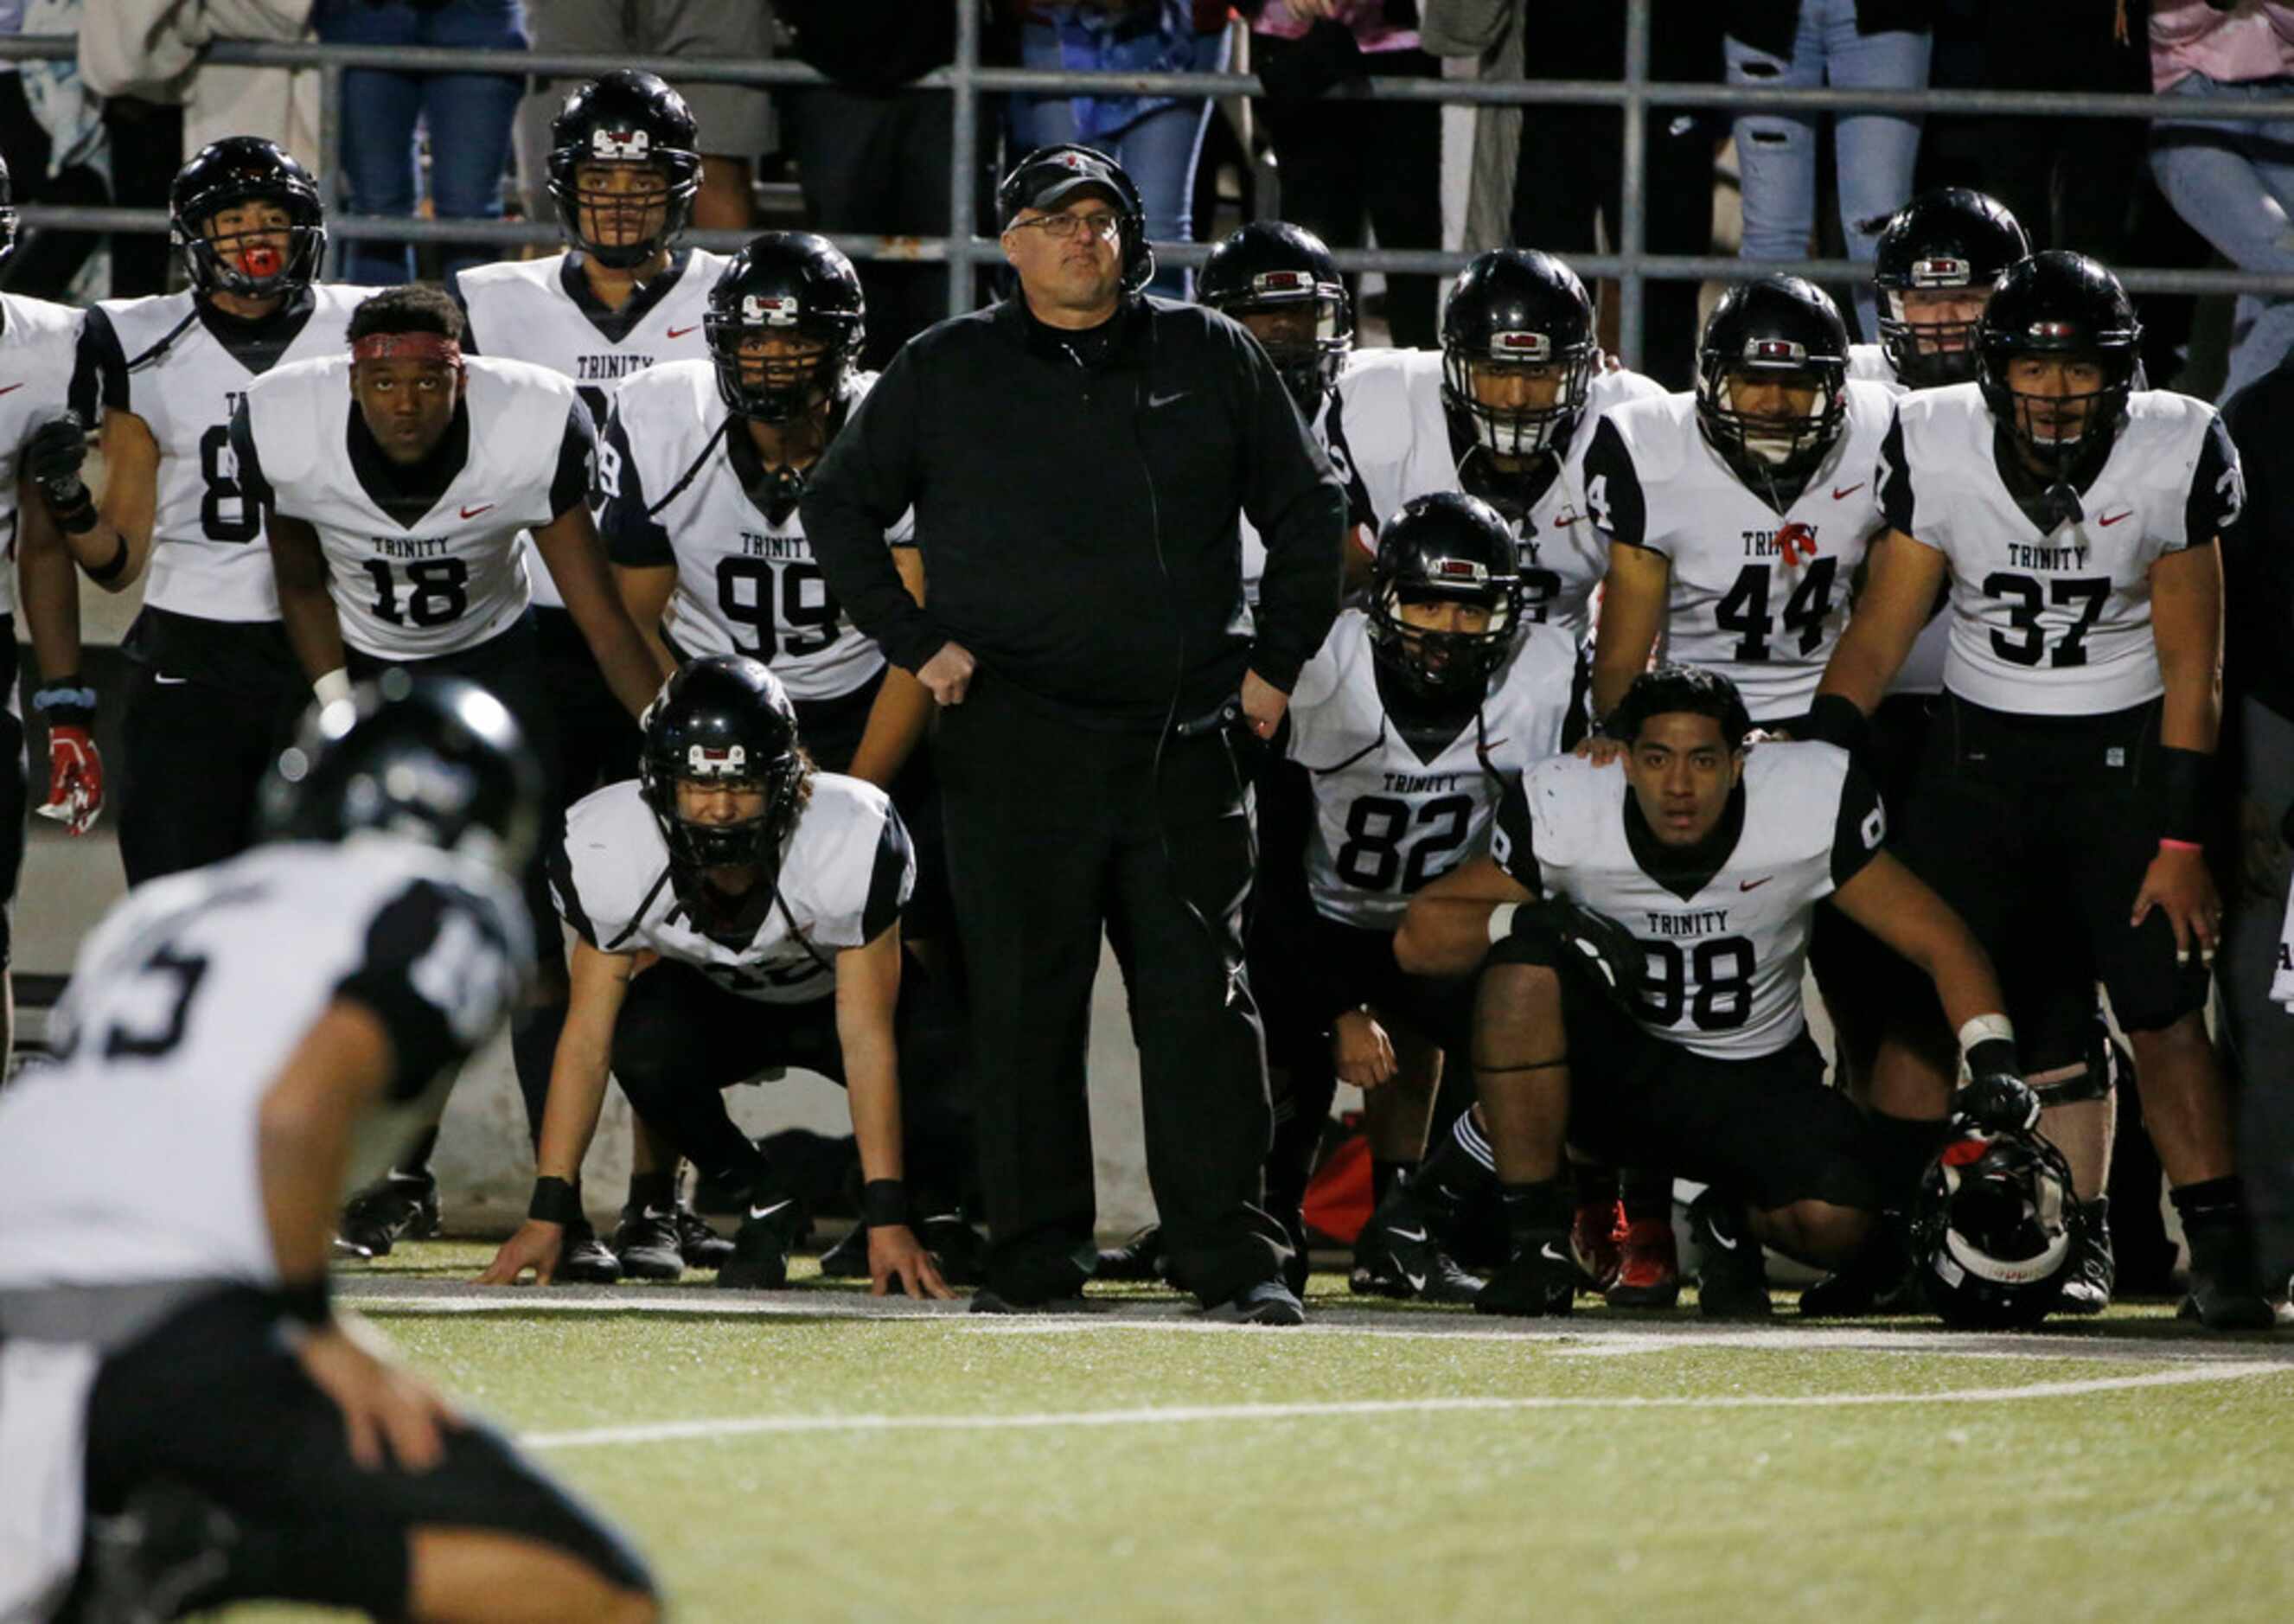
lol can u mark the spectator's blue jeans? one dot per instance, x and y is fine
(1873, 152)
(1157, 151)
(2235, 184)
(469, 115)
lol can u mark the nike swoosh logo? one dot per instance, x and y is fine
(1753, 885)
(1551, 1254)
(1571, 518)
(10, 388)
(164, 681)
(1839, 495)
(679, 332)
(474, 512)
(1417, 1282)
(1726, 1243)
(1407, 1234)
(2112, 518)
(1154, 401)
(767, 1212)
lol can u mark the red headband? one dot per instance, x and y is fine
(408, 346)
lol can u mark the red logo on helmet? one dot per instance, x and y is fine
(1775, 351)
(1941, 271)
(2053, 329)
(1529, 347)
(620, 146)
(1961, 1152)
(1461, 570)
(1283, 281)
(770, 310)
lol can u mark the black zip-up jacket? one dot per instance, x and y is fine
(1079, 518)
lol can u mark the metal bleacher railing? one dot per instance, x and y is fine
(963, 251)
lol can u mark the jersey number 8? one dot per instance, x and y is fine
(1723, 970)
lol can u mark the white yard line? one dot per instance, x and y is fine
(665, 1431)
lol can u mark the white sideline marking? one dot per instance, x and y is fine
(664, 1431)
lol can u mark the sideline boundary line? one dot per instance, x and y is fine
(1180, 1415)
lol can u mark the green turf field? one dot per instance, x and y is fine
(798, 1455)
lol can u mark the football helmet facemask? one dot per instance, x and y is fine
(1452, 551)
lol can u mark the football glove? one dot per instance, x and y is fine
(75, 765)
(1996, 1102)
(52, 458)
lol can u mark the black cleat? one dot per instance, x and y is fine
(647, 1244)
(956, 1248)
(1538, 1279)
(1140, 1258)
(697, 1243)
(848, 1259)
(2227, 1291)
(1395, 1256)
(2093, 1271)
(761, 1247)
(1270, 1302)
(584, 1260)
(1732, 1280)
(165, 1555)
(1648, 1267)
(1879, 1279)
(397, 1207)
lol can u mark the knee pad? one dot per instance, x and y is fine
(2101, 1068)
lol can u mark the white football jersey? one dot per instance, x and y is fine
(1327, 427)
(746, 583)
(2056, 622)
(542, 311)
(450, 578)
(133, 1157)
(1922, 671)
(1757, 596)
(1868, 364)
(1724, 949)
(845, 874)
(1388, 820)
(2281, 984)
(38, 350)
(208, 556)
(1402, 448)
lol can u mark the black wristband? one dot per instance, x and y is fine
(1995, 1058)
(884, 1204)
(1836, 718)
(554, 1201)
(2182, 779)
(112, 568)
(76, 515)
(65, 703)
(310, 1303)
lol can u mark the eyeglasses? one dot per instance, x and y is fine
(1062, 228)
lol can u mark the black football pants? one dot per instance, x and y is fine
(1056, 832)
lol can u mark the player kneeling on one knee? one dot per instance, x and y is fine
(737, 910)
(247, 1041)
(1641, 927)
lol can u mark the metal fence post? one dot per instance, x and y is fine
(963, 157)
(330, 156)
(1632, 183)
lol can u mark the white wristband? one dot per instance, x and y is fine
(1984, 1029)
(1501, 920)
(333, 686)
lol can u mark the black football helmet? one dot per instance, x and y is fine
(433, 759)
(1776, 327)
(1444, 548)
(625, 117)
(725, 721)
(1995, 1228)
(1273, 267)
(1512, 308)
(2060, 304)
(1950, 237)
(1047, 176)
(792, 284)
(246, 169)
(7, 214)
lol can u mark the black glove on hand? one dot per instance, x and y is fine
(1996, 1102)
(52, 457)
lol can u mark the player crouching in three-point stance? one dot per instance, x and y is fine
(1640, 1001)
(739, 911)
(247, 1041)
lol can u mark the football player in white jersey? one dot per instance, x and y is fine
(1740, 509)
(1279, 281)
(702, 469)
(1506, 413)
(1644, 932)
(399, 482)
(246, 1042)
(216, 685)
(2074, 518)
(624, 169)
(1405, 724)
(761, 898)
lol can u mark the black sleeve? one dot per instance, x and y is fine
(1511, 835)
(438, 973)
(2217, 494)
(1860, 829)
(1613, 488)
(1352, 967)
(469, 340)
(577, 461)
(1299, 509)
(1895, 477)
(890, 880)
(863, 482)
(633, 539)
(559, 868)
(252, 485)
(99, 370)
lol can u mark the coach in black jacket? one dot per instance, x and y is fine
(1077, 457)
